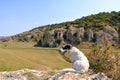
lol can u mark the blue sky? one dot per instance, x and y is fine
(17, 16)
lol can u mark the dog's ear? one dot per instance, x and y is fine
(70, 46)
(67, 46)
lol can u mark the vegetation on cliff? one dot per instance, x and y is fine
(91, 28)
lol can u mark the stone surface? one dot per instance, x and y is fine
(25, 74)
(76, 76)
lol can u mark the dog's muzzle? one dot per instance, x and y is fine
(62, 52)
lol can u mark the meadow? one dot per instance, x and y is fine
(14, 56)
(21, 55)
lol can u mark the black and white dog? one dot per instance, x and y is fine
(79, 60)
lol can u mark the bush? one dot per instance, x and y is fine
(105, 61)
(5, 45)
(47, 44)
(58, 41)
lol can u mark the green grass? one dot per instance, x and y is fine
(14, 57)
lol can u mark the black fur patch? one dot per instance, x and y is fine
(67, 47)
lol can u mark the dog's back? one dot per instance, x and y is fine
(79, 60)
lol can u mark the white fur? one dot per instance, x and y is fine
(79, 60)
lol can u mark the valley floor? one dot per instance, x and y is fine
(17, 56)
(14, 57)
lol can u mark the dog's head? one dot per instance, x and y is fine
(65, 48)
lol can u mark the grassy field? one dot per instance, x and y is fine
(14, 56)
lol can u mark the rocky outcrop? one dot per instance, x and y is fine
(51, 39)
(89, 35)
(77, 76)
(107, 35)
(102, 37)
(58, 34)
(56, 37)
(75, 36)
(111, 31)
(46, 37)
(27, 74)
(71, 35)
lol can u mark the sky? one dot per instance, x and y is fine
(17, 16)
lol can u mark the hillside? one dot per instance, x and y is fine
(95, 28)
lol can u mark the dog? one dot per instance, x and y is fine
(78, 59)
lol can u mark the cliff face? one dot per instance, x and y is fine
(96, 28)
(72, 35)
(75, 36)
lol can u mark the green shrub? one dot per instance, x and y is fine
(5, 45)
(47, 44)
(59, 40)
(102, 59)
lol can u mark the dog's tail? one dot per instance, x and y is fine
(68, 70)
(72, 70)
(62, 72)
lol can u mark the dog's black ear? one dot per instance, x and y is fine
(67, 46)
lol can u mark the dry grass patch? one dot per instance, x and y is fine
(14, 58)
